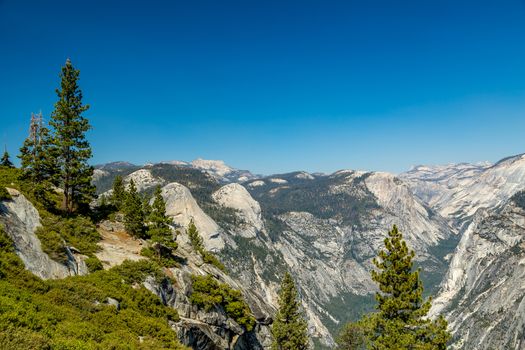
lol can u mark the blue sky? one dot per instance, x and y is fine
(275, 86)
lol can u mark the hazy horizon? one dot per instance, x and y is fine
(485, 162)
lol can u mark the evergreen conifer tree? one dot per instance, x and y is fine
(74, 150)
(159, 224)
(6, 161)
(352, 337)
(133, 212)
(289, 329)
(198, 245)
(157, 217)
(38, 161)
(118, 196)
(195, 238)
(146, 208)
(401, 321)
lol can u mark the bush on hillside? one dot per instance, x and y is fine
(57, 232)
(73, 313)
(4, 195)
(208, 293)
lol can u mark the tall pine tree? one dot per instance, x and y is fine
(195, 238)
(289, 328)
(6, 161)
(157, 219)
(70, 138)
(133, 212)
(38, 157)
(118, 196)
(352, 337)
(198, 245)
(159, 225)
(401, 320)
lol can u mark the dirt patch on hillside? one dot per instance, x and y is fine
(117, 245)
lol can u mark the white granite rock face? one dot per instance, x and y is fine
(482, 295)
(435, 184)
(221, 171)
(143, 179)
(419, 227)
(236, 197)
(21, 219)
(458, 191)
(217, 167)
(182, 207)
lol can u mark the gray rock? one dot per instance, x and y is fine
(482, 295)
(21, 219)
(113, 302)
(212, 329)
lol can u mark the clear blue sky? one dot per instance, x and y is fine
(275, 86)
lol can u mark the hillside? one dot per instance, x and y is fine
(101, 293)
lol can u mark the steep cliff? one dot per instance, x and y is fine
(458, 191)
(482, 293)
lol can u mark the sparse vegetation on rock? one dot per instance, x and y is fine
(198, 246)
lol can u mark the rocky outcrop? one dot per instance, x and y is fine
(483, 292)
(20, 220)
(458, 191)
(143, 179)
(236, 197)
(99, 174)
(116, 245)
(197, 328)
(221, 171)
(182, 207)
(210, 330)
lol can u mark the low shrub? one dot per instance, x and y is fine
(93, 264)
(73, 313)
(209, 258)
(57, 232)
(208, 293)
(4, 195)
(160, 255)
